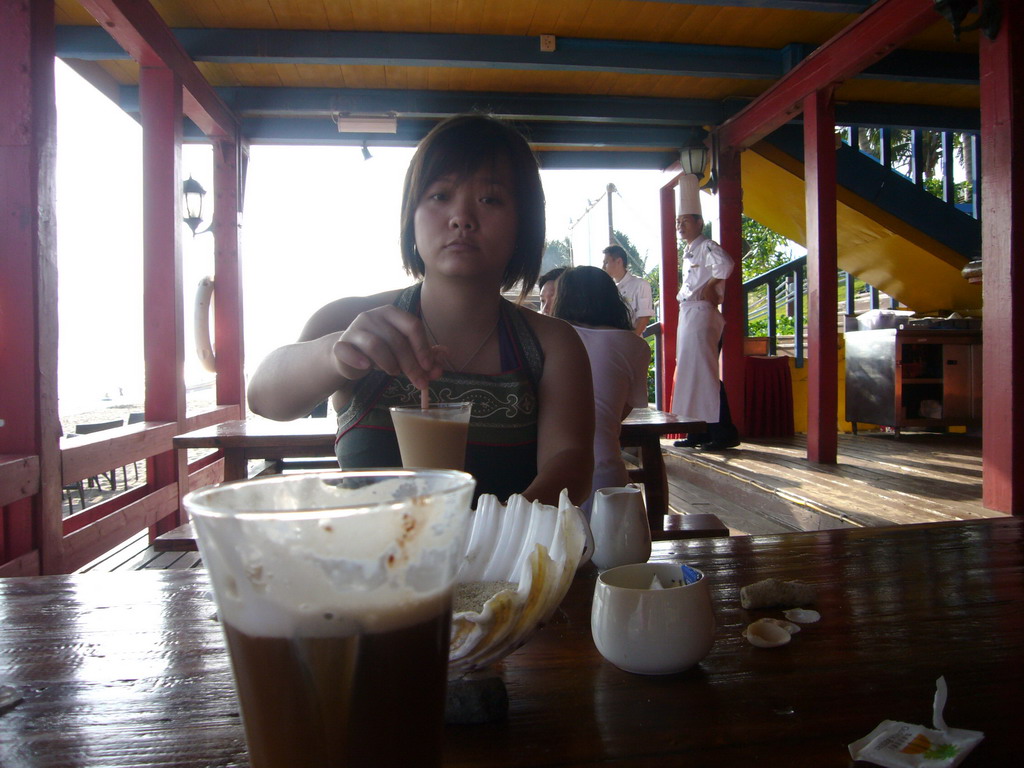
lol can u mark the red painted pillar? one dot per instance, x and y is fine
(28, 283)
(229, 343)
(668, 288)
(1002, 246)
(730, 220)
(822, 288)
(160, 98)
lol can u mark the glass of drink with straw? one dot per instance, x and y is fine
(432, 434)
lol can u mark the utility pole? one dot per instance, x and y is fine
(611, 230)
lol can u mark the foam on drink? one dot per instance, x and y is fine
(368, 571)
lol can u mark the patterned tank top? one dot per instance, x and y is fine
(502, 449)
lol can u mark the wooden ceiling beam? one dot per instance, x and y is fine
(873, 35)
(141, 32)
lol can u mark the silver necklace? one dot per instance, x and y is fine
(472, 357)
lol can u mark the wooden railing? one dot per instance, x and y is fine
(96, 529)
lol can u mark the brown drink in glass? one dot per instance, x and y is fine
(433, 436)
(335, 594)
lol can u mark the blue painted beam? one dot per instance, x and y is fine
(912, 116)
(565, 108)
(507, 52)
(572, 108)
(323, 133)
(925, 67)
(410, 131)
(868, 114)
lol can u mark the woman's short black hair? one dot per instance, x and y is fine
(551, 274)
(588, 296)
(461, 145)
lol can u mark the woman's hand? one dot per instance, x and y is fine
(387, 339)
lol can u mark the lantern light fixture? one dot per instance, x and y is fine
(194, 194)
(693, 159)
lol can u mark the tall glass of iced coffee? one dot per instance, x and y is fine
(433, 436)
(334, 593)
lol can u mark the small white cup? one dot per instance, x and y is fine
(652, 631)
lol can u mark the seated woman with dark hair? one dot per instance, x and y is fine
(588, 298)
(472, 226)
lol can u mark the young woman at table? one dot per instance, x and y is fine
(472, 225)
(589, 299)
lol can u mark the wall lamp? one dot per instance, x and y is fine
(693, 159)
(194, 194)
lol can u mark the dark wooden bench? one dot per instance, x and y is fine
(699, 525)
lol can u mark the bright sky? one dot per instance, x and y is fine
(319, 223)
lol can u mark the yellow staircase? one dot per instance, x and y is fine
(882, 250)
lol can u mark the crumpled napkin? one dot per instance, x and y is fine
(902, 745)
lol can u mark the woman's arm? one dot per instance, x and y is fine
(341, 343)
(565, 436)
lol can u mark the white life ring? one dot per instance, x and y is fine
(201, 323)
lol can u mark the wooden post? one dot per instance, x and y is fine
(229, 343)
(668, 288)
(822, 270)
(1002, 245)
(28, 283)
(730, 220)
(160, 98)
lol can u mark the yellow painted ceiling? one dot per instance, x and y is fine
(633, 20)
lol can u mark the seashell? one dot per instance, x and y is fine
(535, 546)
(802, 615)
(766, 633)
(786, 625)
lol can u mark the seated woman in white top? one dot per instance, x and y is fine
(587, 298)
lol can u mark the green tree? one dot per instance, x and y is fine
(763, 248)
(653, 279)
(636, 262)
(557, 253)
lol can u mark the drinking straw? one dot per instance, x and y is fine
(424, 399)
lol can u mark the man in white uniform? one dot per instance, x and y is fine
(698, 393)
(636, 291)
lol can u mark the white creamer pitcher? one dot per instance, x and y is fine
(622, 534)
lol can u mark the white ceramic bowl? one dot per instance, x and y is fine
(537, 547)
(652, 631)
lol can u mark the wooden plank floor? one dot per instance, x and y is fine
(136, 555)
(879, 479)
(768, 486)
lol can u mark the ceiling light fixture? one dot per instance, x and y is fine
(365, 123)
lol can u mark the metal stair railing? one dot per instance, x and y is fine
(781, 291)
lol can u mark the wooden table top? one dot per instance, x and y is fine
(319, 433)
(129, 669)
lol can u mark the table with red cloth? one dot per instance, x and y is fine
(768, 397)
